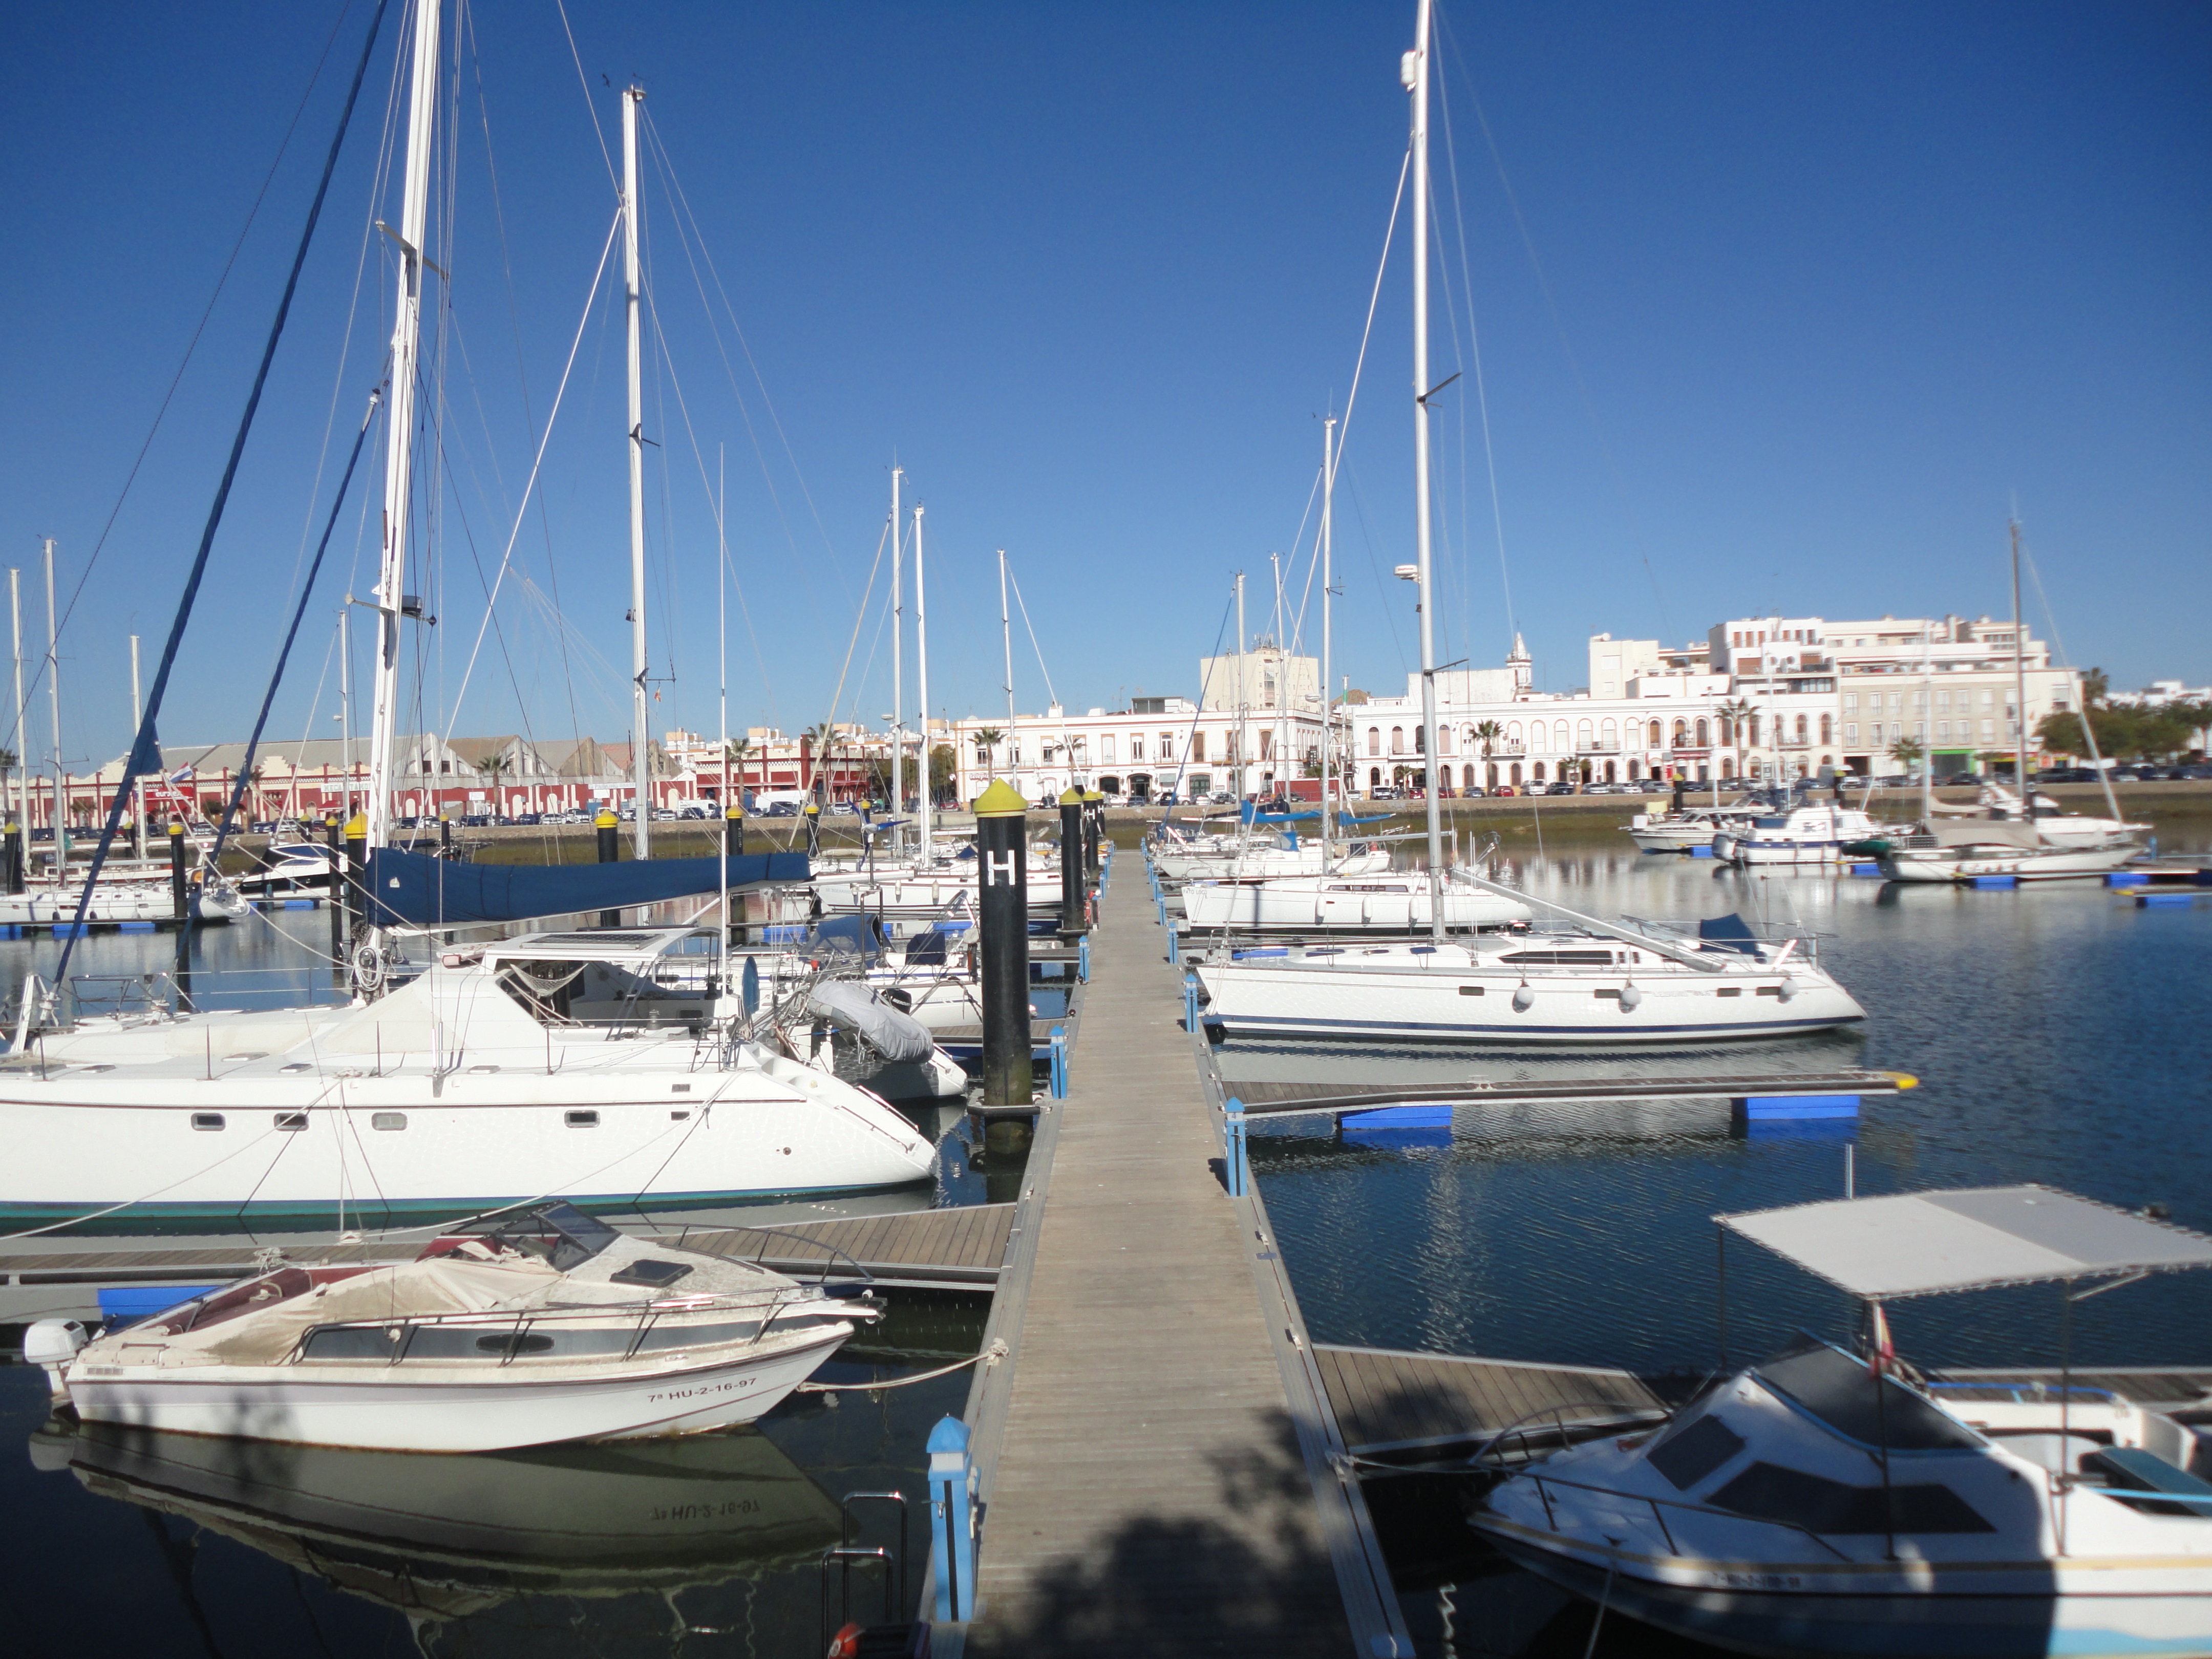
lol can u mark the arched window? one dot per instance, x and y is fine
(1753, 739)
(1420, 739)
(1444, 740)
(1584, 732)
(1728, 731)
(1800, 735)
(1493, 769)
(1374, 739)
(1635, 770)
(1469, 742)
(1374, 777)
(1609, 735)
(1537, 776)
(1656, 738)
(1705, 734)
(1609, 777)
(1827, 728)
(1513, 733)
(1397, 739)
(1516, 772)
(1559, 739)
(1681, 734)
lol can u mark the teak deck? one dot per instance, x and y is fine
(1388, 1400)
(1143, 1488)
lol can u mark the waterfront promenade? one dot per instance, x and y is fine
(1143, 1488)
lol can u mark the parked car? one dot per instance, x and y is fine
(2200, 770)
(781, 809)
(1167, 798)
(1473, 792)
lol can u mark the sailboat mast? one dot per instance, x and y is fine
(54, 699)
(1413, 70)
(1006, 637)
(138, 789)
(2020, 686)
(21, 744)
(642, 714)
(1328, 551)
(928, 852)
(1282, 702)
(898, 662)
(398, 449)
(1243, 695)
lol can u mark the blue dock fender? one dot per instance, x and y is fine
(952, 1520)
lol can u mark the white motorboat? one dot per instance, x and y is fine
(1633, 984)
(1960, 850)
(2054, 825)
(549, 1327)
(290, 867)
(610, 1065)
(1810, 834)
(1361, 895)
(1256, 855)
(1826, 1503)
(1690, 828)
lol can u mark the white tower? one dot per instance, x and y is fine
(1524, 668)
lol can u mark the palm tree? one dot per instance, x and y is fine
(736, 751)
(824, 740)
(494, 766)
(1908, 751)
(987, 740)
(1487, 734)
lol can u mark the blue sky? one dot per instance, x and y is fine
(1785, 308)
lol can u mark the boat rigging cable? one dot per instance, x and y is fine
(145, 749)
(299, 613)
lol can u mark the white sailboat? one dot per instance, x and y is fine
(553, 1062)
(1361, 895)
(1814, 833)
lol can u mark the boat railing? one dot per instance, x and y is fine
(1611, 1414)
(1659, 1505)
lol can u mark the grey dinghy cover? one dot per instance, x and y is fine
(899, 1038)
(415, 889)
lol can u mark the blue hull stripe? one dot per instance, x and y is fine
(1286, 1024)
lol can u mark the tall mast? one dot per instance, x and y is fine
(54, 698)
(898, 662)
(1243, 696)
(345, 710)
(1328, 551)
(398, 448)
(1927, 750)
(138, 789)
(1006, 633)
(1282, 687)
(642, 752)
(921, 688)
(22, 744)
(1413, 70)
(2020, 686)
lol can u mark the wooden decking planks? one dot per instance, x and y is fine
(967, 1245)
(1386, 1399)
(1144, 1491)
(1263, 1099)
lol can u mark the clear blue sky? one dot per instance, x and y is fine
(1798, 300)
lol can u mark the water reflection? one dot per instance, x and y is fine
(448, 1538)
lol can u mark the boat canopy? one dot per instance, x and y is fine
(1927, 1243)
(415, 890)
(1728, 933)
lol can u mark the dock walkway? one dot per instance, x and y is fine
(1140, 1470)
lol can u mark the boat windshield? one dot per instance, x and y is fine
(559, 1232)
(1831, 1385)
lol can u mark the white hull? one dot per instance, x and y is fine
(1673, 837)
(1954, 864)
(1342, 903)
(369, 1408)
(1257, 862)
(1804, 835)
(116, 902)
(1353, 995)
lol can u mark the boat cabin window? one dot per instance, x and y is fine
(387, 1119)
(1829, 1384)
(559, 1233)
(1559, 958)
(207, 1119)
(1819, 1505)
(1688, 1456)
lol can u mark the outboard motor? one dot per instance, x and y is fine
(50, 1344)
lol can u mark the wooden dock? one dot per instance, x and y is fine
(1140, 1460)
(959, 1249)
(1387, 1401)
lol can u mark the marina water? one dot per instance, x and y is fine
(2058, 1035)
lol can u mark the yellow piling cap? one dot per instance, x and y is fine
(737, 809)
(1904, 1080)
(1000, 800)
(1096, 795)
(176, 826)
(356, 826)
(606, 819)
(814, 809)
(1073, 797)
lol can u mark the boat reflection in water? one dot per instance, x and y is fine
(445, 1537)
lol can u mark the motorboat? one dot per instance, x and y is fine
(1253, 854)
(449, 1538)
(300, 867)
(1963, 850)
(612, 1064)
(1688, 828)
(545, 1327)
(1808, 833)
(1361, 895)
(1640, 983)
(2054, 825)
(1827, 1501)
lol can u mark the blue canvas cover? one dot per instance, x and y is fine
(1728, 933)
(414, 890)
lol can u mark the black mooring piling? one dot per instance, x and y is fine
(1001, 850)
(610, 828)
(1074, 838)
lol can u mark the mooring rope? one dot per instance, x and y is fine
(990, 1356)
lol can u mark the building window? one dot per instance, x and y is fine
(1374, 739)
(1609, 735)
(1197, 749)
(1754, 739)
(1513, 733)
(1656, 738)
(1800, 728)
(1827, 728)
(1537, 776)
(1106, 750)
(1397, 739)
(1167, 747)
(1136, 746)
(1444, 740)
(1582, 732)
(1850, 731)
(1851, 702)
(1516, 772)
(1420, 740)
(1705, 734)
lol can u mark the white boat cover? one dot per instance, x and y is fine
(1924, 1243)
(899, 1038)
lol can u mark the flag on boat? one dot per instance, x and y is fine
(415, 890)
